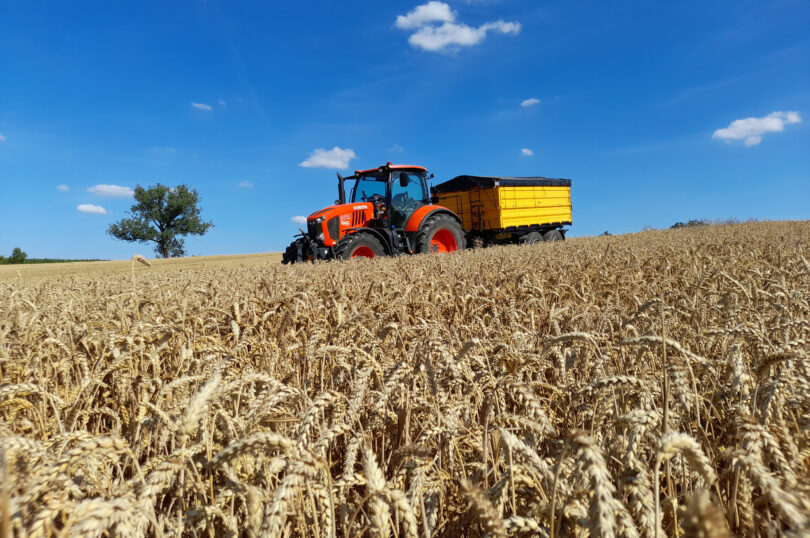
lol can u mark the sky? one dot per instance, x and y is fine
(657, 112)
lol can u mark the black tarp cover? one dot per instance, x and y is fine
(463, 183)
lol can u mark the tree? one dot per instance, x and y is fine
(17, 256)
(162, 215)
(691, 223)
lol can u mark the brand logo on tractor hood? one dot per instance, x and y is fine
(360, 207)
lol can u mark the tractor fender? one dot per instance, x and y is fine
(421, 214)
(386, 242)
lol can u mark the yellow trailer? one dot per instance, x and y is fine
(508, 209)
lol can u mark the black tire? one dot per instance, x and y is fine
(360, 244)
(531, 238)
(291, 254)
(436, 224)
(553, 235)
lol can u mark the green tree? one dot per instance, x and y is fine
(162, 215)
(17, 256)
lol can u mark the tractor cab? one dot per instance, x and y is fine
(388, 213)
(395, 191)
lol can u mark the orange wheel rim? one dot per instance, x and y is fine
(363, 252)
(443, 241)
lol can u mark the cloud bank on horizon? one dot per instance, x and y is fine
(435, 28)
(751, 129)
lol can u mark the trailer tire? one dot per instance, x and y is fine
(553, 235)
(359, 245)
(531, 238)
(440, 233)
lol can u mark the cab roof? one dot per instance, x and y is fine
(390, 166)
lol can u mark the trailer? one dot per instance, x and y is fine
(508, 209)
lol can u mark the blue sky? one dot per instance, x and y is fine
(657, 112)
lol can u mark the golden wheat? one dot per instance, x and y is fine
(643, 385)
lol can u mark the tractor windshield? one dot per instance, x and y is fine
(367, 186)
(407, 195)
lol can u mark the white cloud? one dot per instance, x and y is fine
(63, 188)
(751, 129)
(222, 103)
(526, 152)
(396, 148)
(163, 150)
(202, 106)
(450, 34)
(246, 185)
(426, 13)
(436, 38)
(2, 138)
(91, 208)
(115, 191)
(332, 158)
(530, 102)
(299, 219)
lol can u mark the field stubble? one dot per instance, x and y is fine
(645, 385)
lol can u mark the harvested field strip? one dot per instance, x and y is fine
(644, 385)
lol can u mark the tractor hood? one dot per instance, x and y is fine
(330, 224)
(340, 209)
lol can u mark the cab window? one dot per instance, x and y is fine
(367, 186)
(407, 195)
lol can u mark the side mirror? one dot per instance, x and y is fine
(403, 180)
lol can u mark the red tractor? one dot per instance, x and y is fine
(388, 213)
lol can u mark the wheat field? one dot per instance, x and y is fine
(654, 384)
(37, 271)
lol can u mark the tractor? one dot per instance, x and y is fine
(389, 213)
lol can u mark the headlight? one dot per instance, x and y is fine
(319, 237)
(318, 220)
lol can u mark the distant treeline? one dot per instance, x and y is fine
(20, 257)
(28, 261)
(696, 222)
(709, 222)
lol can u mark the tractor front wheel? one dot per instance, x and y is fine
(292, 254)
(440, 233)
(359, 245)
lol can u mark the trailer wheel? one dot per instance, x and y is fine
(531, 238)
(359, 245)
(440, 233)
(553, 235)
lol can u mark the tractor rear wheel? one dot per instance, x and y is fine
(440, 233)
(553, 235)
(359, 245)
(531, 238)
